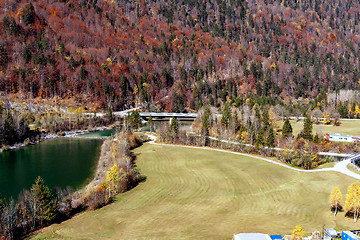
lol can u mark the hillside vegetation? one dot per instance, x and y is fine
(204, 194)
(181, 54)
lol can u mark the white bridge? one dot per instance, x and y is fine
(146, 115)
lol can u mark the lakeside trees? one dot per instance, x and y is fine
(26, 123)
(43, 202)
(35, 208)
(14, 127)
(116, 171)
(41, 206)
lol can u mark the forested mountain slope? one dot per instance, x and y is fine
(179, 54)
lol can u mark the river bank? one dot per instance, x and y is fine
(115, 158)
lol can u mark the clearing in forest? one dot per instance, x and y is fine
(204, 194)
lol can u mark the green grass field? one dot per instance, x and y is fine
(204, 194)
(347, 127)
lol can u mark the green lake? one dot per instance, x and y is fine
(61, 162)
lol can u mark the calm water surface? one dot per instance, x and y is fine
(60, 162)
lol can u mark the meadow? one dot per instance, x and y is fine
(204, 194)
(347, 127)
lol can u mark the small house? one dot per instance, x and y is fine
(341, 138)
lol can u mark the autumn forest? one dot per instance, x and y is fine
(179, 55)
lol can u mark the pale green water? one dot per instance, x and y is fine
(60, 162)
(100, 134)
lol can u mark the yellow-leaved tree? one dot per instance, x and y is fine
(298, 233)
(352, 203)
(357, 110)
(112, 180)
(335, 200)
(2, 106)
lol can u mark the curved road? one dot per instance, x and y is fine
(338, 167)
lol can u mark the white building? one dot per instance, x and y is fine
(342, 138)
(251, 236)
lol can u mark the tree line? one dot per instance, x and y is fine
(35, 208)
(15, 123)
(14, 127)
(256, 130)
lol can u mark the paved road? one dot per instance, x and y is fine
(339, 167)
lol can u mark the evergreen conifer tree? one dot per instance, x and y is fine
(9, 129)
(226, 115)
(260, 138)
(205, 127)
(174, 126)
(43, 201)
(265, 119)
(307, 131)
(287, 129)
(270, 141)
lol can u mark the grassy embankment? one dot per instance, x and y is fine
(204, 194)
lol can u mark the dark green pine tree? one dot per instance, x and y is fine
(3, 57)
(252, 134)
(236, 122)
(226, 115)
(110, 115)
(287, 128)
(44, 201)
(265, 119)
(270, 141)
(9, 129)
(206, 124)
(317, 138)
(134, 120)
(205, 127)
(307, 130)
(260, 138)
(257, 111)
(174, 127)
(245, 69)
(83, 73)
(29, 14)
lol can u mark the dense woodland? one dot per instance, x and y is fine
(179, 55)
